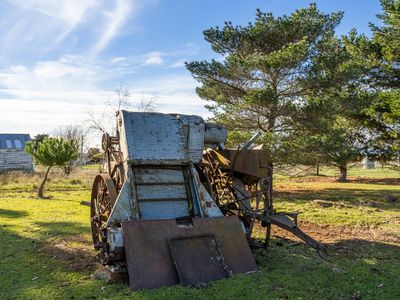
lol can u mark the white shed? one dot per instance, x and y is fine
(367, 163)
(12, 152)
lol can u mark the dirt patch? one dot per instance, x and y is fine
(332, 234)
(350, 179)
(77, 253)
(80, 258)
(382, 181)
(357, 248)
(314, 179)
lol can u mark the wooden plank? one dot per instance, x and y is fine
(144, 175)
(153, 210)
(164, 199)
(15, 159)
(155, 137)
(160, 191)
(152, 136)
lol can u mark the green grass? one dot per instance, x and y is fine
(46, 251)
(359, 202)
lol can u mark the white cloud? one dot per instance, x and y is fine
(166, 84)
(41, 95)
(48, 77)
(114, 20)
(153, 58)
(52, 70)
(69, 11)
(50, 94)
(117, 59)
(178, 64)
(41, 25)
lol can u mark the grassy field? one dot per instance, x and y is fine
(46, 250)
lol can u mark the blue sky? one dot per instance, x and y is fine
(60, 60)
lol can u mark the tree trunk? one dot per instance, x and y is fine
(317, 169)
(41, 188)
(67, 170)
(343, 173)
(270, 176)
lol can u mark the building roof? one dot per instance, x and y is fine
(11, 139)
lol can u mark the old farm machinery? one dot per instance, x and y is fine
(174, 206)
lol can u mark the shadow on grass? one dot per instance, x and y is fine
(362, 249)
(353, 179)
(62, 228)
(73, 259)
(57, 246)
(358, 267)
(287, 272)
(7, 213)
(33, 263)
(379, 181)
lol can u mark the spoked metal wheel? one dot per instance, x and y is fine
(103, 198)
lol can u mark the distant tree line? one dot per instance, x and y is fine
(318, 98)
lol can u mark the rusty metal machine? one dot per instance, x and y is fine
(174, 206)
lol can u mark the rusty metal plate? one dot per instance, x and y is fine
(197, 259)
(148, 254)
(253, 162)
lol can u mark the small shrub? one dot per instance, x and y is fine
(75, 181)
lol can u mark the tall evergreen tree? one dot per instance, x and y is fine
(382, 54)
(263, 77)
(335, 113)
(386, 42)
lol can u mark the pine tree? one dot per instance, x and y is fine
(51, 152)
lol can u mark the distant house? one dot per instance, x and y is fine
(367, 163)
(12, 152)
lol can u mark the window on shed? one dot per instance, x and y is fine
(17, 143)
(9, 144)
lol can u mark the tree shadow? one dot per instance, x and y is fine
(286, 270)
(62, 228)
(373, 198)
(72, 258)
(8, 213)
(62, 241)
(36, 262)
(378, 181)
(371, 268)
(359, 248)
(351, 179)
(68, 234)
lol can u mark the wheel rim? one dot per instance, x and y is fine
(104, 195)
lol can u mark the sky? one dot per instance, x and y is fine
(61, 61)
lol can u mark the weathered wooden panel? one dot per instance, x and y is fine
(195, 138)
(153, 175)
(122, 209)
(161, 191)
(153, 136)
(156, 138)
(15, 159)
(154, 210)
